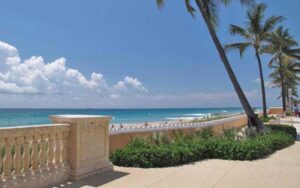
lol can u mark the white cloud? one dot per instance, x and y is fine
(130, 82)
(268, 84)
(35, 76)
(257, 80)
(8, 87)
(36, 83)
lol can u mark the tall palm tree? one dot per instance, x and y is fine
(255, 33)
(283, 49)
(209, 11)
(291, 79)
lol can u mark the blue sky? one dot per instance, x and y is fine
(142, 57)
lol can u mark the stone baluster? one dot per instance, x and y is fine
(26, 155)
(43, 150)
(0, 157)
(17, 156)
(58, 148)
(7, 161)
(64, 147)
(34, 153)
(50, 152)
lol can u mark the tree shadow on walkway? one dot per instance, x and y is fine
(93, 181)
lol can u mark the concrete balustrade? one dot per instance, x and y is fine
(42, 156)
(88, 147)
(28, 153)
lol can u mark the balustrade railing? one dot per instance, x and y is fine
(30, 150)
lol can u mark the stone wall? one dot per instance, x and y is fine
(119, 139)
(276, 110)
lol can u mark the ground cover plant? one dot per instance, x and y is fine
(267, 119)
(163, 150)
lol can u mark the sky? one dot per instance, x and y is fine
(124, 54)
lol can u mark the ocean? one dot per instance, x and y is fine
(19, 117)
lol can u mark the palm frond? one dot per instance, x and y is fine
(211, 8)
(237, 30)
(190, 8)
(160, 3)
(255, 16)
(271, 23)
(238, 46)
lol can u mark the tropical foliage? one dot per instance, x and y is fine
(182, 149)
(259, 34)
(209, 10)
(255, 34)
(284, 62)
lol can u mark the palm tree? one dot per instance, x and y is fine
(283, 49)
(256, 34)
(209, 11)
(290, 71)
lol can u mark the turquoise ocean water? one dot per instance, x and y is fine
(18, 117)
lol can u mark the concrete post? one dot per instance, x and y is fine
(88, 144)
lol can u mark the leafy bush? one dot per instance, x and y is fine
(160, 138)
(267, 119)
(284, 128)
(206, 132)
(138, 143)
(187, 149)
(230, 134)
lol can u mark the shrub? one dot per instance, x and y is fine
(284, 128)
(230, 134)
(138, 143)
(267, 119)
(190, 149)
(160, 138)
(206, 132)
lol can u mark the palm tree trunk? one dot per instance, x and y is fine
(254, 121)
(282, 87)
(262, 84)
(288, 99)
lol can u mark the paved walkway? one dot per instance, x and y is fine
(281, 169)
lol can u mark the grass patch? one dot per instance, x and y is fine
(182, 149)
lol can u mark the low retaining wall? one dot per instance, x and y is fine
(120, 137)
(276, 110)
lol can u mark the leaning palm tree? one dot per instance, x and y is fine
(256, 34)
(209, 11)
(283, 49)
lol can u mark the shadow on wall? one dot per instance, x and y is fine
(94, 181)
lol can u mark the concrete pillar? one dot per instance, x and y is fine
(88, 144)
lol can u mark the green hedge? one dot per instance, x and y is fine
(284, 128)
(141, 153)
